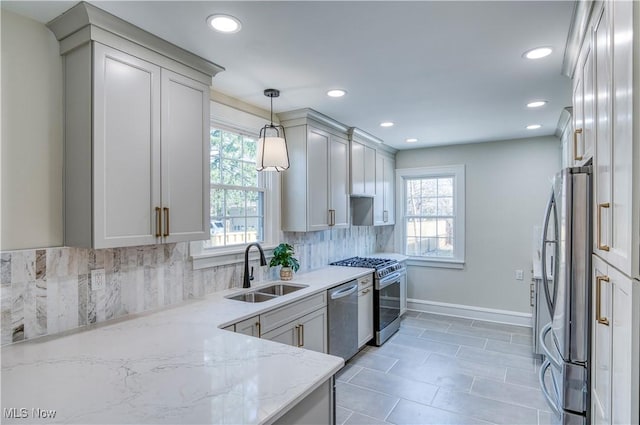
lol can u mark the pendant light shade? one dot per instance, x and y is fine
(272, 144)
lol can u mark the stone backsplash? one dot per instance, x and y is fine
(47, 291)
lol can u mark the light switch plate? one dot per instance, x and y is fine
(97, 280)
(519, 275)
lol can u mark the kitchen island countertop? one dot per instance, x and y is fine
(169, 366)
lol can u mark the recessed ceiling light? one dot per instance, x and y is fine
(224, 23)
(533, 126)
(386, 124)
(411, 140)
(537, 53)
(336, 93)
(536, 104)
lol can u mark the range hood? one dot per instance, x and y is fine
(362, 210)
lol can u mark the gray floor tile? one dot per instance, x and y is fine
(497, 359)
(503, 327)
(426, 345)
(450, 338)
(411, 313)
(364, 401)
(407, 412)
(546, 418)
(359, 419)
(480, 333)
(347, 372)
(396, 386)
(521, 339)
(446, 377)
(467, 367)
(509, 393)
(373, 361)
(410, 330)
(484, 408)
(417, 322)
(508, 348)
(400, 352)
(522, 377)
(449, 319)
(342, 415)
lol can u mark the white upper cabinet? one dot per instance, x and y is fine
(384, 202)
(363, 164)
(616, 226)
(315, 188)
(136, 134)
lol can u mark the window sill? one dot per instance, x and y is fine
(437, 263)
(204, 259)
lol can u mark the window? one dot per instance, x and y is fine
(432, 208)
(237, 193)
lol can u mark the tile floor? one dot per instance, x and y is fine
(444, 370)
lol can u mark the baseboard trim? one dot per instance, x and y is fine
(471, 312)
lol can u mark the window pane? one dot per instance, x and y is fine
(429, 246)
(429, 227)
(254, 203)
(445, 186)
(231, 145)
(429, 187)
(236, 234)
(231, 172)
(413, 197)
(249, 150)
(429, 206)
(249, 174)
(254, 229)
(413, 246)
(413, 227)
(445, 206)
(445, 247)
(235, 203)
(217, 202)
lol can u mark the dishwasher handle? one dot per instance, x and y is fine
(341, 293)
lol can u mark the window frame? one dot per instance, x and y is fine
(233, 120)
(404, 174)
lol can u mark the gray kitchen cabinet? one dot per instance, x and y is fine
(308, 331)
(365, 310)
(363, 164)
(136, 134)
(316, 408)
(384, 202)
(250, 326)
(315, 189)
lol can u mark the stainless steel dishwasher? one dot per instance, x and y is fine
(343, 319)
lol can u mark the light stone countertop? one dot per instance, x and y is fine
(169, 366)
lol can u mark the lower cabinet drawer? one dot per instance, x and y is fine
(280, 316)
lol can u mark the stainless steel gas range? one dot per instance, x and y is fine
(386, 296)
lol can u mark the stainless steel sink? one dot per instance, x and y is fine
(252, 297)
(279, 289)
(266, 293)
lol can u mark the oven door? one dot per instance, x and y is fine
(387, 300)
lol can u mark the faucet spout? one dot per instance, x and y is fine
(248, 277)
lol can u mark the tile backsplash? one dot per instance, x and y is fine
(47, 291)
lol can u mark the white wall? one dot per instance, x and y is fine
(507, 184)
(32, 134)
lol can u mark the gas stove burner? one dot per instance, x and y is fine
(383, 266)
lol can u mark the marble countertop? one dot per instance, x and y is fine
(170, 366)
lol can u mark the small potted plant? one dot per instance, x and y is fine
(283, 256)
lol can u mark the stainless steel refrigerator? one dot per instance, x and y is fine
(566, 262)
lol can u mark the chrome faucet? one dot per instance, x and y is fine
(263, 262)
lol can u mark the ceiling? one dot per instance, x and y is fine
(444, 72)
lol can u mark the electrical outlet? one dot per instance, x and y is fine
(519, 275)
(97, 280)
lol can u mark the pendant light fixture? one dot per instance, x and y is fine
(272, 145)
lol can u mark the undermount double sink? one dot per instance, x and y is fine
(267, 292)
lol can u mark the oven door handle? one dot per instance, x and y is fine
(344, 292)
(388, 280)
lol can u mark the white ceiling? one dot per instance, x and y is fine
(445, 72)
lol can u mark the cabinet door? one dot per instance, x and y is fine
(601, 340)
(185, 158)
(285, 334)
(365, 316)
(126, 149)
(318, 179)
(573, 146)
(363, 163)
(313, 331)
(250, 326)
(378, 201)
(586, 148)
(339, 182)
(388, 215)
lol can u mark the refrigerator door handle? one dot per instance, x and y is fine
(547, 352)
(545, 228)
(543, 386)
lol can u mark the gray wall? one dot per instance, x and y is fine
(507, 185)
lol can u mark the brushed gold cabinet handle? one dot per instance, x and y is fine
(599, 318)
(158, 222)
(576, 157)
(301, 336)
(599, 230)
(166, 224)
(258, 328)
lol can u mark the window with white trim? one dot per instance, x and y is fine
(432, 213)
(237, 190)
